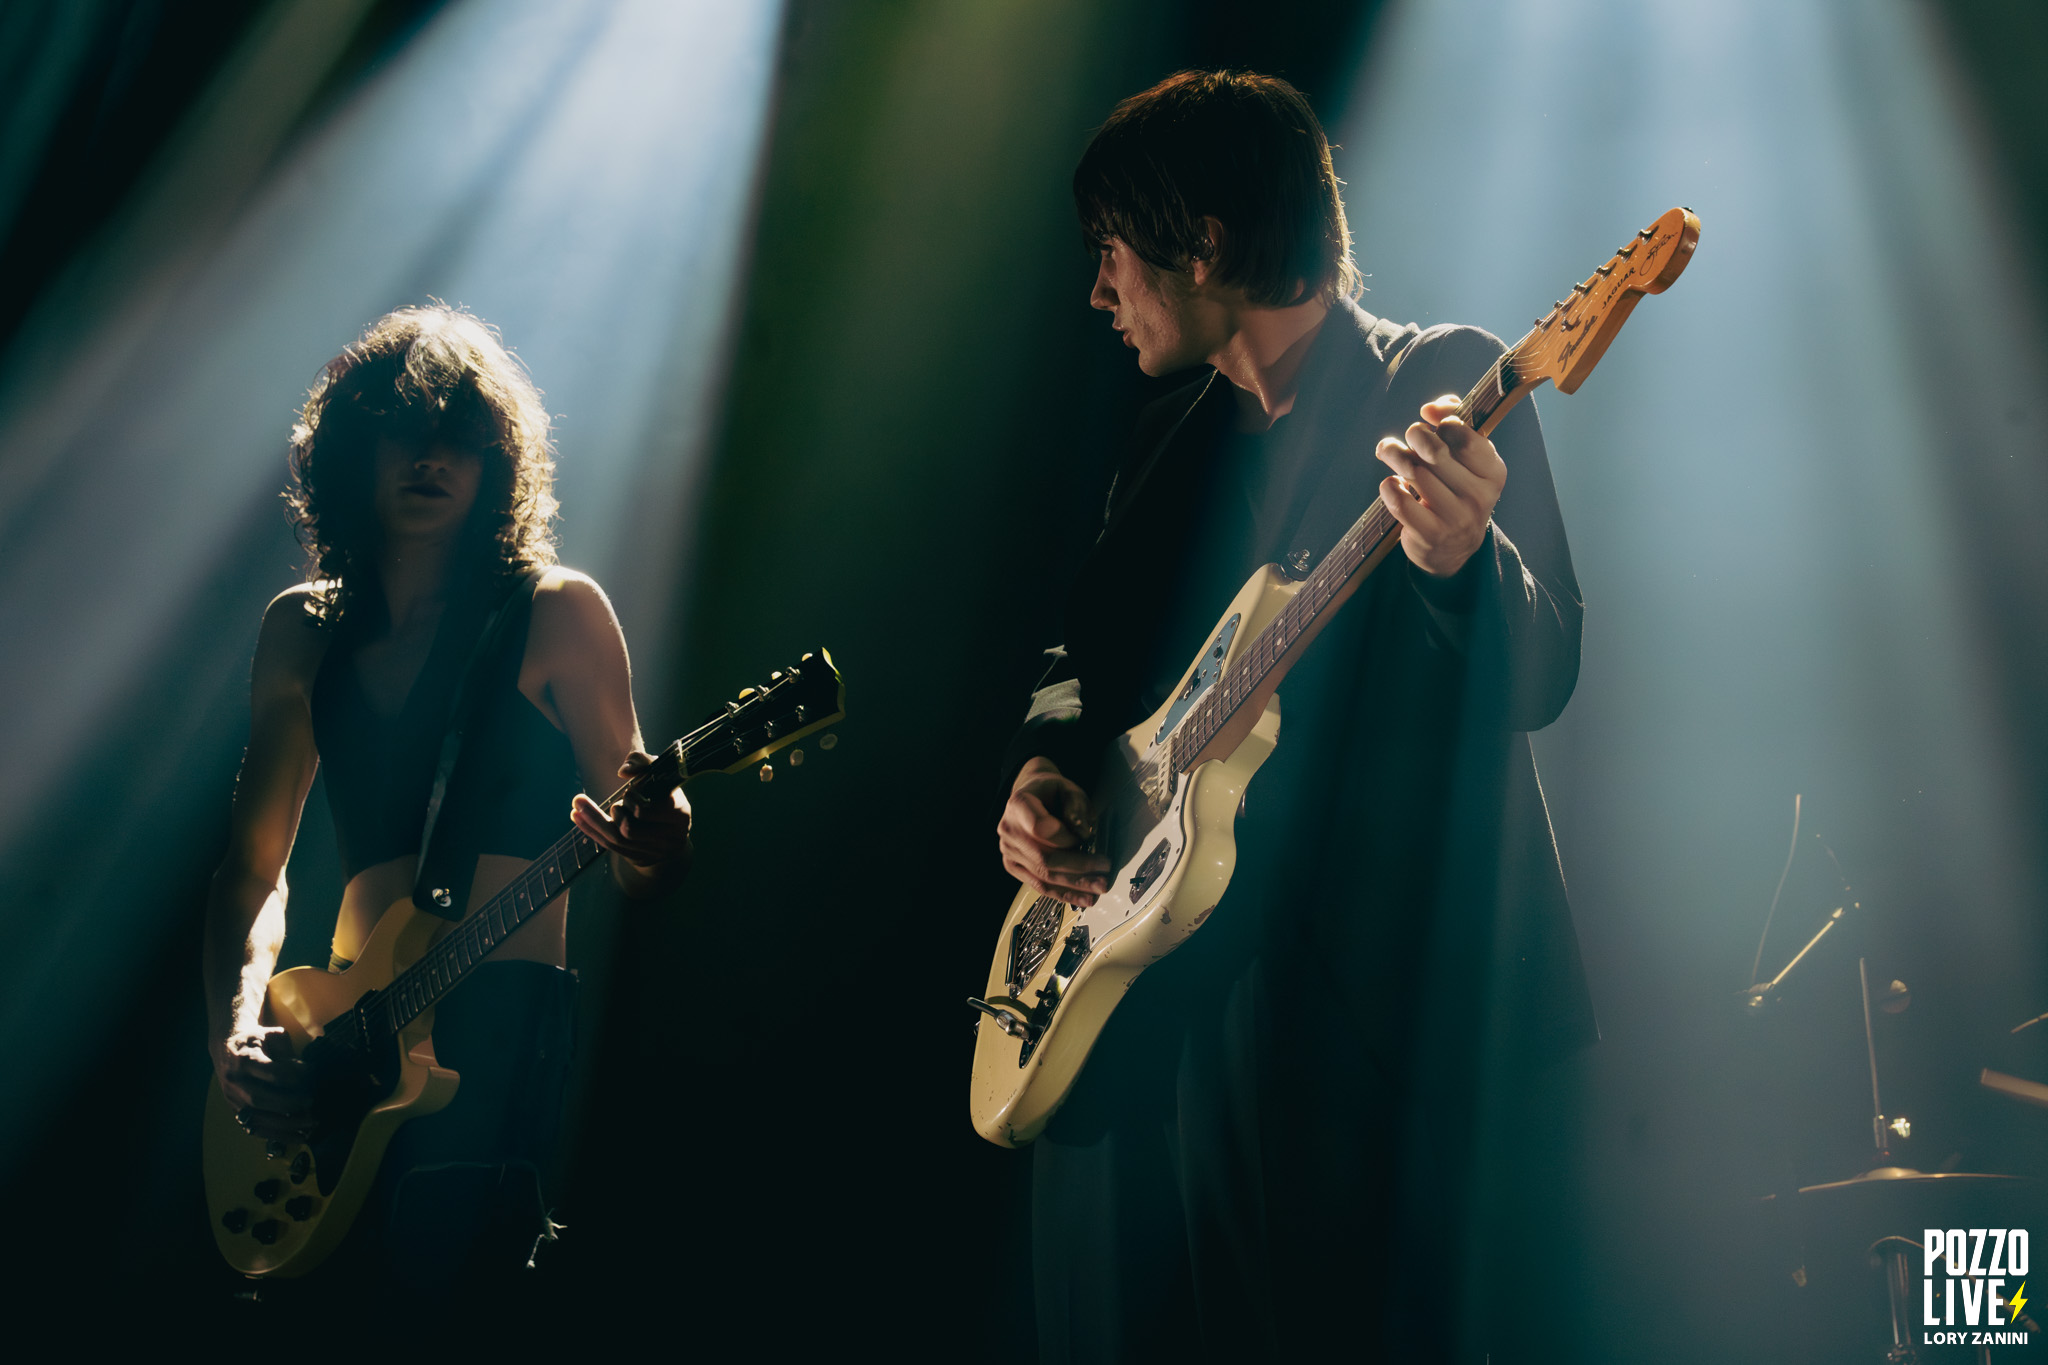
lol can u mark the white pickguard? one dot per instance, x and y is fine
(1116, 906)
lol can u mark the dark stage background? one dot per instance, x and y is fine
(828, 376)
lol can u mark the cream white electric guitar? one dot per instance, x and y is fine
(367, 1033)
(1163, 808)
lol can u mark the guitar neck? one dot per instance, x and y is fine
(442, 967)
(1257, 672)
(794, 703)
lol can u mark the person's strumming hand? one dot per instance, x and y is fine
(1448, 478)
(269, 1087)
(1044, 820)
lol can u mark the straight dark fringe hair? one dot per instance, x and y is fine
(1243, 148)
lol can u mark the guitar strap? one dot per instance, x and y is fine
(441, 886)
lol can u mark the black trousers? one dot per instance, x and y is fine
(460, 1202)
(1233, 1181)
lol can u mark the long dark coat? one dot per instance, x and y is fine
(1268, 1153)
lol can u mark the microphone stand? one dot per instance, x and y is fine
(1758, 1001)
(1758, 998)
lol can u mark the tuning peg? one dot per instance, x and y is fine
(796, 758)
(767, 772)
(828, 741)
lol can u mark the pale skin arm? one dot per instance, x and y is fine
(578, 655)
(246, 903)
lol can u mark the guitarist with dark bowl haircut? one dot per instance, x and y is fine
(1271, 1151)
(422, 473)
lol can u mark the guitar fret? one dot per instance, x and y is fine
(440, 969)
(1206, 719)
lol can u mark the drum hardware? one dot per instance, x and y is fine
(2018, 1087)
(1884, 1206)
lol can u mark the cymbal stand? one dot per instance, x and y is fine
(1892, 1252)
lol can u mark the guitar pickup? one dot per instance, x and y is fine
(1071, 956)
(1149, 870)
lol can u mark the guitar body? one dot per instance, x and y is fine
(1173, 851)
(280, 1210)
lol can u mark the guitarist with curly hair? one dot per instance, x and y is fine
(422, 472)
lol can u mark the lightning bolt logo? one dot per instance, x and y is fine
(2017, 1301)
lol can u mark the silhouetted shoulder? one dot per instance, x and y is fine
(292, 643)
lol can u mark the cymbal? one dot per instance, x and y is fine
(1897, 1177)
(1898, 1201)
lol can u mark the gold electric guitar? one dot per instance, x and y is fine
(1163, 808)
(279, 1208)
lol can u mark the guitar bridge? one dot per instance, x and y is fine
(1031, 1030)
(1031, 941)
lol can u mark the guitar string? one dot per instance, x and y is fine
(439, 969)
(416, 988)
(1223, 700)
(1228, 694)
(1209, 715)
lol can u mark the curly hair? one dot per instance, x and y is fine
(419, 376)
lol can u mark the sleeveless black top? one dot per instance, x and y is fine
(511, 789)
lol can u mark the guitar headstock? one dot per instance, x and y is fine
(1569, 340)
(796, 701)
